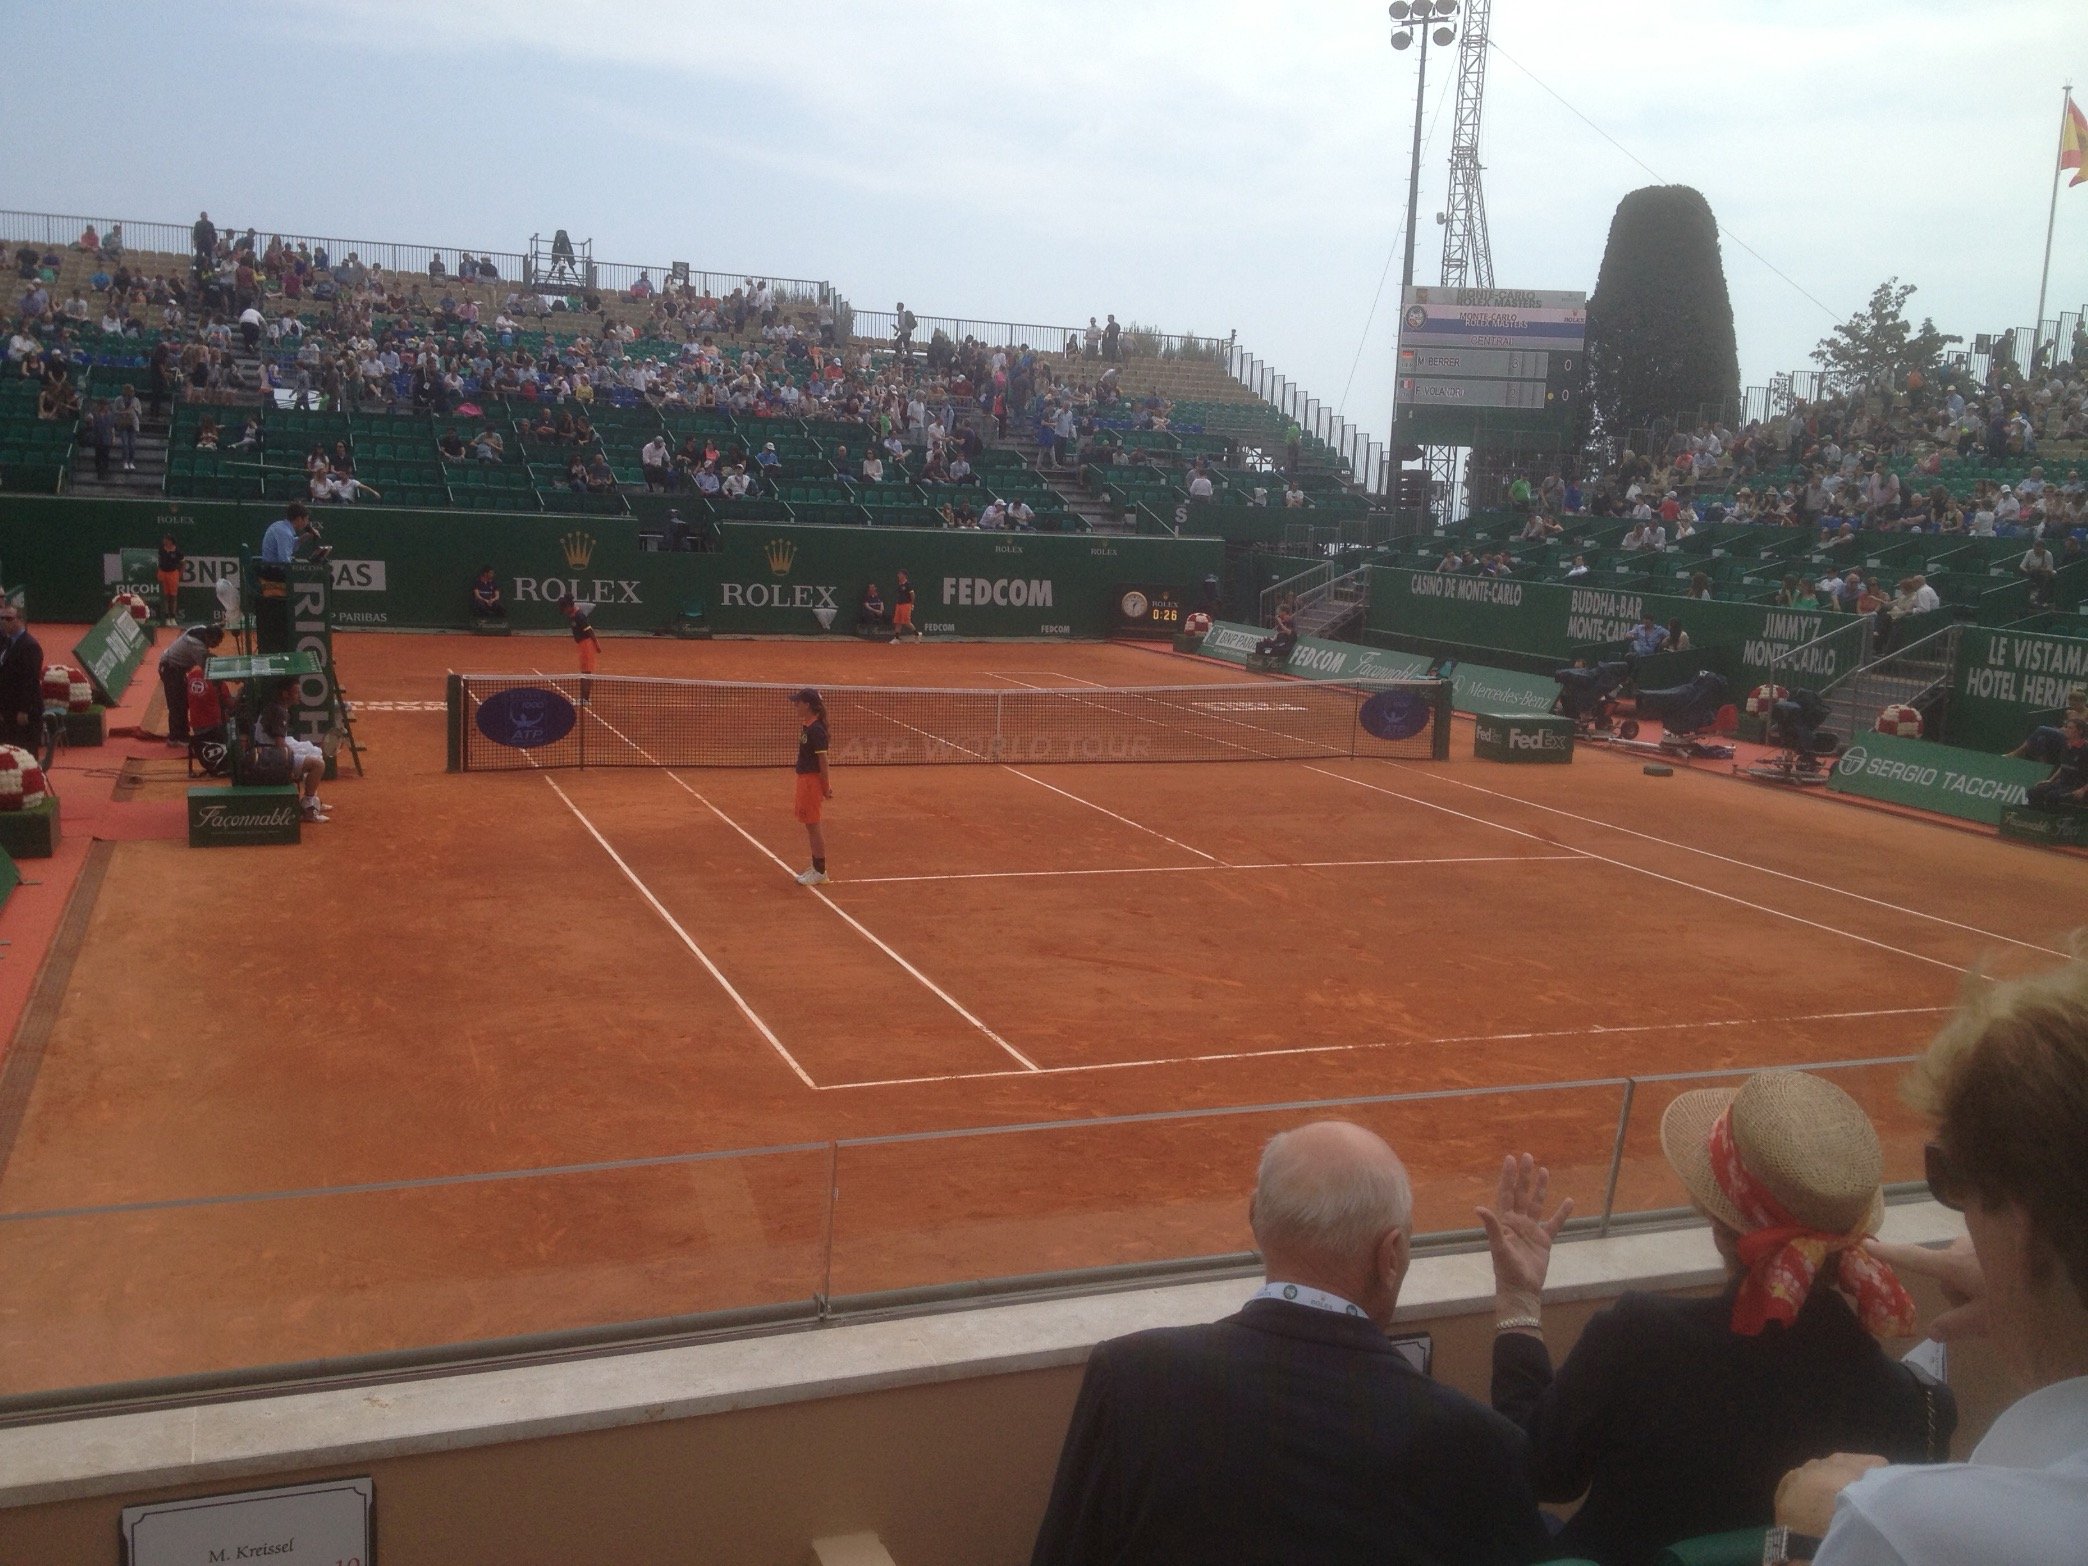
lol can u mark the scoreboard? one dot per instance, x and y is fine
(1147, 610)
(1495, 367)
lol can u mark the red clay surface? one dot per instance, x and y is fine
(302, 1102)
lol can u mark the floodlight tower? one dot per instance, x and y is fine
(1427, 21)
(1467, 255)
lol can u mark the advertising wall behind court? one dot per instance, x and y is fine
(1552, 619)
(1928, 776)
(2007, 681)
(412, 569)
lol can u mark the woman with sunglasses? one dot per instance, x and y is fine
(2007, 1083)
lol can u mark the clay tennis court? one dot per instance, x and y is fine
(498, 1054)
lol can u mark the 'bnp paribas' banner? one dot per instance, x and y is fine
(1929, 776)
(414, 569)
(1552, 619)
(2007, 681)
(1474, 687)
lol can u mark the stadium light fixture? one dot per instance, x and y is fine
(1429, 19)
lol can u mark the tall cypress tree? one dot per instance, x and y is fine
(1660, 323)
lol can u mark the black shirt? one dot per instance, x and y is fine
(170, 557)
(903, 593)
(583, 627)
(812, 745)
(1675, 1425)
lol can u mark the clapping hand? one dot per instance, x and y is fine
(1519, 1235)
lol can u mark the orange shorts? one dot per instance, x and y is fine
(811, 798)
(589, 652)
(902, 614)
(170, 583)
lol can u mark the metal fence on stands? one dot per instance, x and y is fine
(1364, 456)
(59, 230)
(1135, 342)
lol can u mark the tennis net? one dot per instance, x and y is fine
(503, 722)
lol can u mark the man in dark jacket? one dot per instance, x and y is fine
(21, 682)
(1293, 1431)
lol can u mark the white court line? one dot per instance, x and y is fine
(673, 924)
(1746, 864)
(864, 931)
(1105, 810)
(1621, 864)
(854, 923)
(1592, 1031)
(1301, 864)
(1018, 772)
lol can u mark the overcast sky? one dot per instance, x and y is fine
(1195, 164)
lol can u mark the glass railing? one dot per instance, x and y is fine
(185, 1294)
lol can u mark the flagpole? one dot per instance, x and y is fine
(2051, 213)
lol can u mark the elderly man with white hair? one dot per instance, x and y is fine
(1293, 1431)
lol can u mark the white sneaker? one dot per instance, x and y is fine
(811, 877)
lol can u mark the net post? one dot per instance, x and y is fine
(453, 694)
(582, 725)
(1441, 750)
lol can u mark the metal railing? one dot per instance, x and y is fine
(1916, 675)
(1312, 579)
(730, 1242)
(1825, 661)
(59, 230)
(1329, 609)
(1135, 342)
(1364, 456)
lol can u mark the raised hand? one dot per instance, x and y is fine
(1518, 1233)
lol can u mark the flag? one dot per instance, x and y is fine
(2073, 143)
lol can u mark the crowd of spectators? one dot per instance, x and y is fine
(1298, 1430)
(465, 344)
(1872, 460)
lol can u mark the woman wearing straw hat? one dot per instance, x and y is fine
(1678, 1417)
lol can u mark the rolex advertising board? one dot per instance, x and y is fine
(413, 569)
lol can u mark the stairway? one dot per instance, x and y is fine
(1909, 676)
(1337, 606)
(1065, 483)
(147, 482)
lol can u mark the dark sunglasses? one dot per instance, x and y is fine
(1945, 1183)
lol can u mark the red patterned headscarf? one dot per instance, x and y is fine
(1782, 1256)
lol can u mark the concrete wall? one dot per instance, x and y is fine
(938, 1433)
